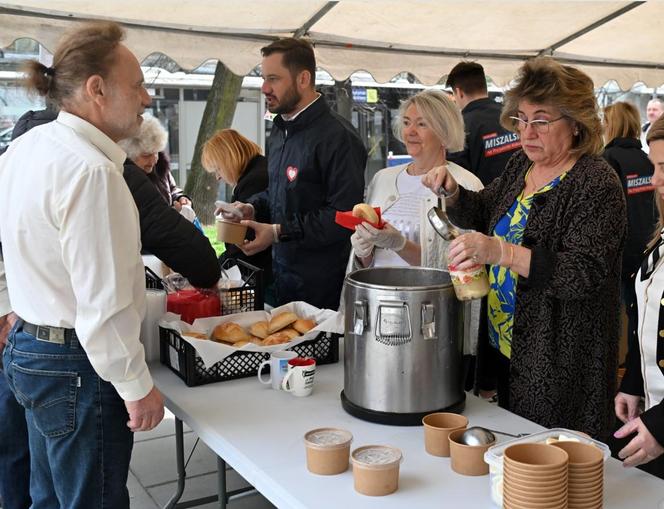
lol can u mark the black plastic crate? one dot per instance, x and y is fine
(152, 280)
(183, 360)
(248, 297)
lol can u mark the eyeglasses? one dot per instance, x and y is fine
(540, 126)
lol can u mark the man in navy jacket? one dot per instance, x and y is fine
(316, 166)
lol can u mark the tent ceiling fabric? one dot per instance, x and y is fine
(385, 37)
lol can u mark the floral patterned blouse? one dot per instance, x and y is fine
(502, 281)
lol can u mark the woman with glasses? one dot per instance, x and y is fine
(551, 229)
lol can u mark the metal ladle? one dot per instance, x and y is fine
(477, 435)
(439, 220)
(442, 224)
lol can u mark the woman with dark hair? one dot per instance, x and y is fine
(551, 229)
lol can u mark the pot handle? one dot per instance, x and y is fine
(428, 321)
(360, 319)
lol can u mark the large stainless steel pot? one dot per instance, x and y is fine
(403, 344)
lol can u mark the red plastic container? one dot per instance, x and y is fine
(192, 304)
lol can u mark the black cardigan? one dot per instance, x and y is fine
(168, 235)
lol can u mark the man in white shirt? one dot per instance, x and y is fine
(75, 278)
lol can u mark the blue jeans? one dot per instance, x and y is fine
(80, 445)
(14, 451)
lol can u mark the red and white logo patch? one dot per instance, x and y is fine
(291, 173)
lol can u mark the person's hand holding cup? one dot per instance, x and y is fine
(299, 380)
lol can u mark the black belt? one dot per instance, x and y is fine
(51, 334)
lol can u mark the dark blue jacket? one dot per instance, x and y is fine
(315, 167)
(488, 145)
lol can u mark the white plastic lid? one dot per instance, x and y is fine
(494, 455)
(328, 438)
(376, 456)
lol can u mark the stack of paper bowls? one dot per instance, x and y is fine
(535, 477)
(585, 479)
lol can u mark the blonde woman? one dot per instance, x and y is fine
(429, 124)
(623, 151)
(644, 376)
(238, 162)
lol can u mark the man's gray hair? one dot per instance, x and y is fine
(150, 139)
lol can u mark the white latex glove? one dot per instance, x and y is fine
(362, 247)
(387, 238)
(236, 212)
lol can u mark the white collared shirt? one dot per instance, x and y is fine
(290, 118)
(71, 245)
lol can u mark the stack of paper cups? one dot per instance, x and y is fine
(155, 307)
(585, 475)
(535, 477)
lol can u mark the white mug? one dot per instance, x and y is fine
(278, 368)
(299, 380)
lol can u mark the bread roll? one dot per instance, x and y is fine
(259, 329)
(197, 335)
(253, 340)
(280, 321)
(365, 212)
(290, 332)
(302, 325)
(277, 338)
(230, 332)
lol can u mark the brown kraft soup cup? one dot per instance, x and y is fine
(328, 450)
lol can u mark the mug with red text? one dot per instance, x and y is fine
(299, 380)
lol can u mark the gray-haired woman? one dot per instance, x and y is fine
(146, 150)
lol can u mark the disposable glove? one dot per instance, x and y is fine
(387, 238)
(362, 247)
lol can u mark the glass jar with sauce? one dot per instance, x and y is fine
(471, 283)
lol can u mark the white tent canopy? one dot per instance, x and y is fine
(608, 40)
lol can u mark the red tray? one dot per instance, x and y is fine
(348, 220)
